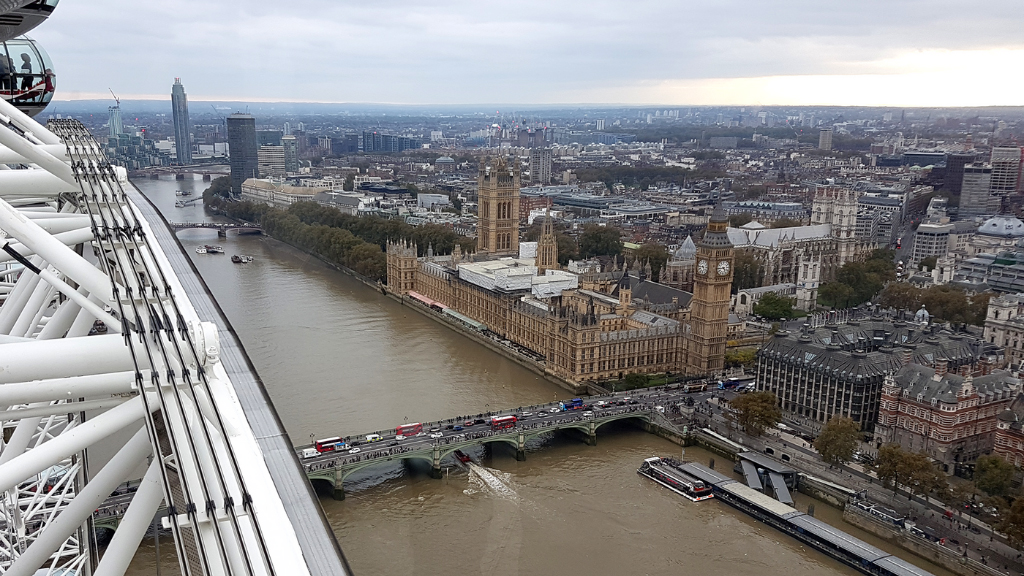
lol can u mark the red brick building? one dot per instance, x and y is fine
(950, 417)
(528, 203)
(1009, 441)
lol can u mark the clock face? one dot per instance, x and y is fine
(702, 267)
(723, 268)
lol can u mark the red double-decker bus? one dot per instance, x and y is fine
(503, 422)
(409, 429)
(329, 445)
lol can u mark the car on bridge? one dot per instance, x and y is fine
(436, 435)
(354, 451)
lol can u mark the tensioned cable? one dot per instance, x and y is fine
(127, 326)
(203, 380)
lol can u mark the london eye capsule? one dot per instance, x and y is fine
(26, 75)
(17, 17)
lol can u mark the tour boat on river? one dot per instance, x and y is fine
(665, 471)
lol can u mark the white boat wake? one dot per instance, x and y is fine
(491, 481)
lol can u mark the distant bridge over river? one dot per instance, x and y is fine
(222, 228)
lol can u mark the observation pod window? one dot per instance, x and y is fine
(26, 75)
(17, 21)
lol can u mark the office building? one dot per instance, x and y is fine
(540, 166)
(291, 153)
(379, 142)
(114, 122)
(954, 178)
(271, 161)
(938, 239)
(825, 139)
(600, 124)
(839, 369)
(182, 127)
(976, 198)
(243, 150)
(1006, 170)
(269, 137)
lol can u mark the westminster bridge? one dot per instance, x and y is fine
(439, 440)
(327, 472)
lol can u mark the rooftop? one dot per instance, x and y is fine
(871, 348)
(920, 384)
(772, 237)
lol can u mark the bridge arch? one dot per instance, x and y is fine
(346, 472)
(642, 416)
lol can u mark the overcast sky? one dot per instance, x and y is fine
(864, 52)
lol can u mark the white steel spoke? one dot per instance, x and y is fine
(99, 341)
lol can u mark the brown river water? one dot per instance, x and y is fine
(338, 358)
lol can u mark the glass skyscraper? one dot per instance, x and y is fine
(179, 109)
(243, 150)
(114, 121)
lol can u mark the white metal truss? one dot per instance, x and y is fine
(98, 340)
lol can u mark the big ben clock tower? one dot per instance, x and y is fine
(709, 309)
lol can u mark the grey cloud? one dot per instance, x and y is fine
(474, 51)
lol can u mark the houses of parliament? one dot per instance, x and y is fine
(590, 326)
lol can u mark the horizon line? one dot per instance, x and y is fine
(155, 98)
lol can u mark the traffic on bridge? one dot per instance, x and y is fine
(329, 461)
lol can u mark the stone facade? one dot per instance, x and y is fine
(837, 206)
(611, 324)
(804, 256)
(498, 207)
(949, 417)
(1004, 327)
(592, 326)
(678, 271)
(709, 310)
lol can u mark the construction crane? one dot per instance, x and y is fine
(117, 101)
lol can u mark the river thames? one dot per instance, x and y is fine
(338, 358)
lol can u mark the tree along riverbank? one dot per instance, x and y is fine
(357, 243)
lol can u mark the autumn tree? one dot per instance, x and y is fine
(901, 296)
(859, 282)
(786, 223)
(746, 272)
(737, 220)
(600, 241)
(756, 412)
(913, 470)
(656, 254)
(1012, 522)
(221, 186)
(993, 474)
(740, 357)
(838, 440)
(775, 307)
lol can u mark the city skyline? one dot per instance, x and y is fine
(455, 52)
